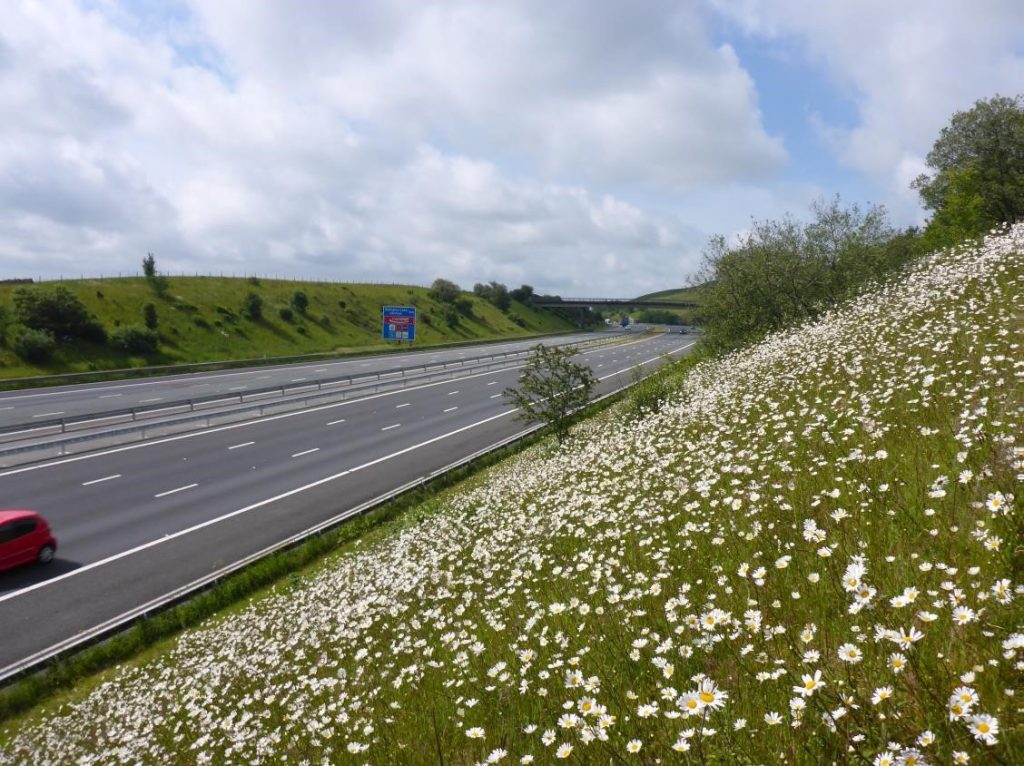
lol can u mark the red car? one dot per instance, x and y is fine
(25, 537)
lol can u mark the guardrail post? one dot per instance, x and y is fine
(133, 414)
(63, 426)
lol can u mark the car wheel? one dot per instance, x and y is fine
(46, 554)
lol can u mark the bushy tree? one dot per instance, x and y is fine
(252, 307)
(976, 167)
(444, 291)
(134, 339)
(149, 266)
(300, 302)
(783, 271)
(523, 294)
(59, 312)
(36, 346)
(150, 317)
(551, 388)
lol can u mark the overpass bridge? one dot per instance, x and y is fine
(568, 303)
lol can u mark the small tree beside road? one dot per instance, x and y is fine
(551, 388)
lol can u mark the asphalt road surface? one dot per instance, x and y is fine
(137, 522)
(42, 405)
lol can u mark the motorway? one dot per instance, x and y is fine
(141, 521)
(40, 405)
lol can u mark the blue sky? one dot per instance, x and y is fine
(581, 147)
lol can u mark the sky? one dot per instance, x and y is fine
(588, 148)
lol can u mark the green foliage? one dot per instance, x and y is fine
(134, 339)
(977, 168)
(551, 388)
(252, 307)
(494, 293)
(523, 294)
(36, 346)
(783, 272)
(464, 306)
(444, 291)
(450, 315)
(658, 316)
(149, 266)
(286, 314)
(300, 302)
(149, 316)
(59, 312)
(158, 283)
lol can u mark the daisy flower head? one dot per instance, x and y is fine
(850, 653)
(477, 732)
(564, 751)
(633, 746)
(984, 728)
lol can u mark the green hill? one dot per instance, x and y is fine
(687, 294)
(202, 319)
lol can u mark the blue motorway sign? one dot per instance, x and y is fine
(399, 322)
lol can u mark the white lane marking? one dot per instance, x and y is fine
(494, 396)
(297, 380)
(335, 422)
(237, 388)
(105, 478)
(179, 489)
(147, 401)
(399, 406)
(451, 409)
(271, 418)
(320, 369)
(492, 382)
(243, 444)
(246, 509)
(48, 414)
(388, 428)
(452, 393)
(306, 452)
(6, 408)
(110, 396)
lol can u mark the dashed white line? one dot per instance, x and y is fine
(306, 452)
(493, 382)
(147, 401)
(110, 396)
(404, 404)
(48, 414)
(237, 388)
(452, 393)
(451, 409)
(388, 428)
(179, 489)
(335, 422)
(494, 396)
(298, 380)
(105, 478)
(243, 444)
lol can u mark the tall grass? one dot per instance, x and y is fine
(810, 553)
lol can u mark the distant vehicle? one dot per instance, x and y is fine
(25, 537)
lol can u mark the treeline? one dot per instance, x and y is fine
(785, 271)
(453, 303)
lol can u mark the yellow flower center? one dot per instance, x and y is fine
(983, 727)
(707, 697)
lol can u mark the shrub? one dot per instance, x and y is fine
(300, 302)
(34, 345)
(149, 316)
(444, 291)
(252, 307)
(134, 339)
(59, 312)
(286, 314)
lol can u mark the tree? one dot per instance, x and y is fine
(522, 294)
(444, 291)
(551, 388)
(35, 346)
(980, 154)
(149, 316)
(149, 266)
(252, 307)
(59, 312)
(300, 302)
(134, 340)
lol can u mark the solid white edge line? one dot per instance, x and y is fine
(243, 444)
(306, 452)
(49, 414)
(179, 489)
(105, 478)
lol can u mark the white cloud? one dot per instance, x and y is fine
(907, 65)
(386, 140)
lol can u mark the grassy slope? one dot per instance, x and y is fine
(689, 294)
(596, 592)
(199, 320)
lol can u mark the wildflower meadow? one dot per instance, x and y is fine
(810, 554)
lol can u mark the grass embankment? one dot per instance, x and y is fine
(682, 294)
(810, 554)
(200, 319)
